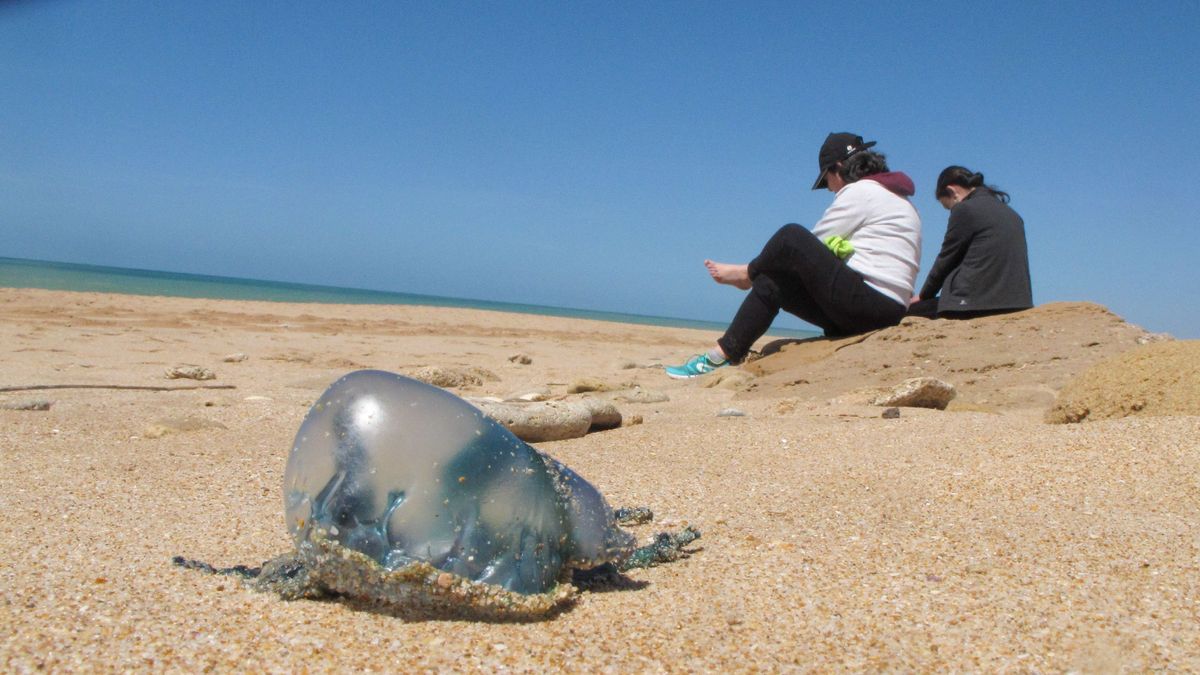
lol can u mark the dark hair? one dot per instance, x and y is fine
(964, 178)
(862, 164)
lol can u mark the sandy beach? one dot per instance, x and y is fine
(976, 538)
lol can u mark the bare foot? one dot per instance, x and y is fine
(737, 276)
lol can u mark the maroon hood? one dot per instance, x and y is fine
(896, 181)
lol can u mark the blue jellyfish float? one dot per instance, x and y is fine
(399, 492)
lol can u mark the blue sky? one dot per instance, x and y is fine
(586, 154)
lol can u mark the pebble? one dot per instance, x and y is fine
(522, 359)
(235, 358)
(890, 413)
(731, 412)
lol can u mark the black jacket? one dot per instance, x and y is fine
(984, 262)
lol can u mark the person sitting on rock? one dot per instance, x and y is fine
(983, 267)
(853, 273)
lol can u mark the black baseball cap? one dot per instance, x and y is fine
(838, 147)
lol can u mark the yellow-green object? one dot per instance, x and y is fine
(840, 247)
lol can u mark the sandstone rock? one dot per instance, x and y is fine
(918, 392)
(452, 378)
(604, 414)
(551, 420)
(190, 372)
(537, 422)
(483, 374)
(1159, 378)
(988, 359)
(521, 359)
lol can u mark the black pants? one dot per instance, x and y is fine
(928, 308)
(797, 273)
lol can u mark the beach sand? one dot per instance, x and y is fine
(979, 538)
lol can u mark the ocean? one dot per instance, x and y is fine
(60, 276)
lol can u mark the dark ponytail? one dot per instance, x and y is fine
(862, 164)
(964, 178)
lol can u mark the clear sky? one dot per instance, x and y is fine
(589, 154)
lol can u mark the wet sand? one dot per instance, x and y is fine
(981, 539)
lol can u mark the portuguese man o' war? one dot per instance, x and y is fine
(399, 492)
(403, 471)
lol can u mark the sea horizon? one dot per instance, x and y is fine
(84, 277)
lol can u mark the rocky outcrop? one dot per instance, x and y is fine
(1160, 378)
(1016, 361)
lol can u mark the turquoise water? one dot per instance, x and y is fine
(21, 273)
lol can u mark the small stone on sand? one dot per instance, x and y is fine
(26, 404)
(918, 392)
(188, 371)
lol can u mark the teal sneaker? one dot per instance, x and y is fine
(695, 367)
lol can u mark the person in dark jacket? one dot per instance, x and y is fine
(983, 267)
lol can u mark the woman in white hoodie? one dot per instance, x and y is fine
(853, 273)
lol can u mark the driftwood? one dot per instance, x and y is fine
(34, 387)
